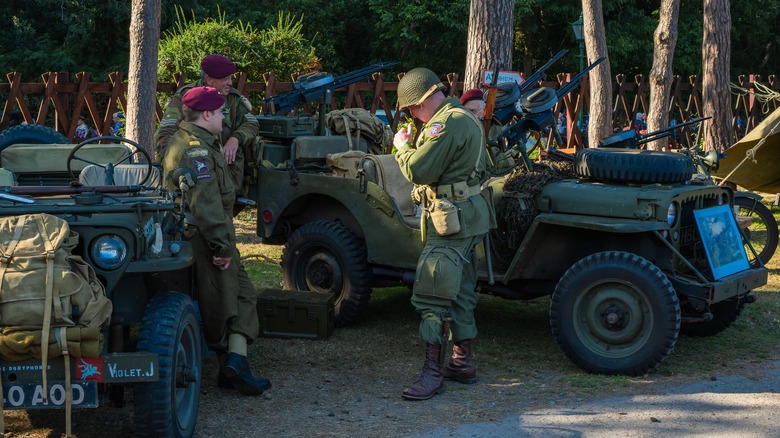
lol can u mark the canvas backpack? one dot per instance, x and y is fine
(358, 122)
(43, 287)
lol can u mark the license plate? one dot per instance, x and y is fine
(30, 395)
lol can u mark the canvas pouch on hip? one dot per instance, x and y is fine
(439, 272)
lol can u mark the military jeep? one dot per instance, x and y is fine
(129, 233)
(624, 242)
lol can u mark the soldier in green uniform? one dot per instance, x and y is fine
(447, 163)
(226, 297)
(239, 128)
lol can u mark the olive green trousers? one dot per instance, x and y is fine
(227, 299)
(445, 283)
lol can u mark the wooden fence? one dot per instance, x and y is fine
(58, 100)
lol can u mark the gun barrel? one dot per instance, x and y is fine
(530, 81)
(286, 102)
(56, 190)
(575, 82)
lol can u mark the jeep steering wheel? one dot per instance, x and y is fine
(109, 167)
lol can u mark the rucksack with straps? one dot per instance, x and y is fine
(46, 290)
(358, 122)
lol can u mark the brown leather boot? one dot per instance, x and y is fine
(461, 367)
(431, 381)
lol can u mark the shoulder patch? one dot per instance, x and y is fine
(201, 168)
(246, 103)
(196, 152)
(436, 129)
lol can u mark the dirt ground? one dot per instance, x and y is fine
(350, 385)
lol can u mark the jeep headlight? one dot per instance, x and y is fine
(671, 214)
(108, 251)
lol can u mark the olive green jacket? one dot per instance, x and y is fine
(210, 203)
(448, 149)
(239, 121)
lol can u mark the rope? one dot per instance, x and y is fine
(765, 95)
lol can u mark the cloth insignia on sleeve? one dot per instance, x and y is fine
(246, 103)
(436, 128)
(201, 168)
(196, 152)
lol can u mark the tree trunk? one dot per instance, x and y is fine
(142, 74)
(600, 110)
(716, 58)
(665, 41)
(489, 39)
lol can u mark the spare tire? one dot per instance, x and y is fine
(34, 134)
(633, 166)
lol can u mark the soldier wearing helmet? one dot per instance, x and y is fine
(447, 162)
(239, 128)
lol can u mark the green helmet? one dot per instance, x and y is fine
(416, 86)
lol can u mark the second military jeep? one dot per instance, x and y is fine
(631, 249)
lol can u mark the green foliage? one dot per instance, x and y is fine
(420, 33)
(280, 48)
(92, 35)
(64, 35)
(284, 49)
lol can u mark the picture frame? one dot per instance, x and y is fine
(721, 240)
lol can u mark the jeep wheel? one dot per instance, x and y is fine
(760, 228)
(633, 166)
(33, 134)
(169, 406)
(615, 313)
(724, 314)
(326, 257)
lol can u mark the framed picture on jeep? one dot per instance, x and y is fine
(721, 240)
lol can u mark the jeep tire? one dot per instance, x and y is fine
(615, 313)
(762, 232)
(33, 134)
(169, 406)
(631, 166)
(724, 313)
(326, 257)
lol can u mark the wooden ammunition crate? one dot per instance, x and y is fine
(295, 314)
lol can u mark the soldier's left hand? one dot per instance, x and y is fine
(402, 136)
(230, 149)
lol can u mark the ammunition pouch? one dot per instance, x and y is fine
(459, 191)
(444, 216)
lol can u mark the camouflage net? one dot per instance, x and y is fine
(516, 210)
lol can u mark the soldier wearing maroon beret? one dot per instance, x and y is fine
(239, 128)
(474, 101)
(225, 295)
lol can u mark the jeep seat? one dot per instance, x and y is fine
(386, 173)
(47, 164)
(124, 175)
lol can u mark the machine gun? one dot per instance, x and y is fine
(314, 86)
(631, 140)
(534, 112)
(505, 108)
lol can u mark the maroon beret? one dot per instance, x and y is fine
(217, 66)
(203, 99)
(473, 94)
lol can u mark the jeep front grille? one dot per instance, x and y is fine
(685, 235)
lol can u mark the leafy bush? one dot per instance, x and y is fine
(281, 48)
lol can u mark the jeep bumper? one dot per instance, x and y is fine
(734, 285)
